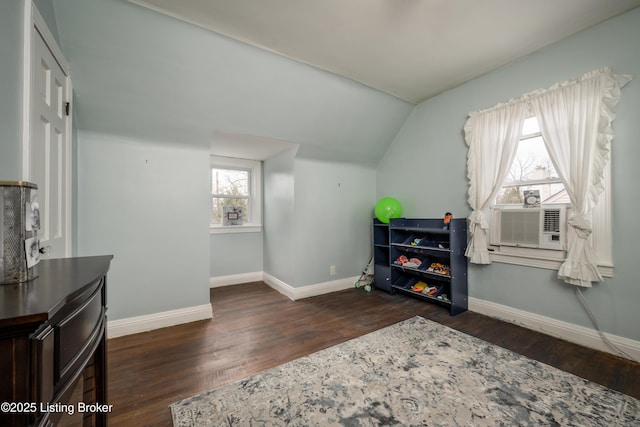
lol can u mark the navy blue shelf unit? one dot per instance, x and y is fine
(432, 255)
(381, 269)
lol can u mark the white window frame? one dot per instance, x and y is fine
(254, 222)
(600, 239)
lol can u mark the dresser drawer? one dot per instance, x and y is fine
(78, 334)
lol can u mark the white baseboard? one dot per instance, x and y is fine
(235, 279)
(564, 330)
(282, 287)
(279, 285)
(310, 290)
(134, 325)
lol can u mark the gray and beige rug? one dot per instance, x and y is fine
(414, 373)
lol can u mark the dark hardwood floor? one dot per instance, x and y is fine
(255, 328)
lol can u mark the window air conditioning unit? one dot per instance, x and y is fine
(542, 228)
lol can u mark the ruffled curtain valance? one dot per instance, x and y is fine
(575, 120)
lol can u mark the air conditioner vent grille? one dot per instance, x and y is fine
(551, 221)
(520, 227)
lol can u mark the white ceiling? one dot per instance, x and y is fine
(412, 49)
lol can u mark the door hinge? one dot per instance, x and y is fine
(67, 108)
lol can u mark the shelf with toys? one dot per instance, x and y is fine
(426, 260)
(428, 290)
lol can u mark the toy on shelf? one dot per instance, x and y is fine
(406, 262)
(439, 268)
(426, 243)
(425, 289)
(387, 208)
(402, 260)
(414, 263)
(448, 216)
(419, 287)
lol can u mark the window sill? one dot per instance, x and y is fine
(538, 258)
(232, 229)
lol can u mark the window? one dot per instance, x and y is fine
(575, 119)
(235, 195)
(230, 189)
(532, 172)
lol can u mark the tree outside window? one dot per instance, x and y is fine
(532, 169)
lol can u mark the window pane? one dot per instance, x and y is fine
(549, 193)
(219, 203)
(532, 170)
(530, 126)
(230, 182)
(532, 162)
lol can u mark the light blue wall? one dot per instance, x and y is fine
(11, 47)
(235, 253)
(316, 214)
(332, 220)
(279, 188)
(143, 74)
(148, 205)
(144, 78)
(425, 168)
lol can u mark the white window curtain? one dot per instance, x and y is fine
(575, 120)
(492, 136)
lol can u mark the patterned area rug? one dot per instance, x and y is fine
(414, 373)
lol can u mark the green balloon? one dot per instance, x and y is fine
(388, 208)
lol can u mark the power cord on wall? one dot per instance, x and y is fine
(587, 307)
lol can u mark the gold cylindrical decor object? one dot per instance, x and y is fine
(19, 225)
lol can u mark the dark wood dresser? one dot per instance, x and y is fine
(53, 346)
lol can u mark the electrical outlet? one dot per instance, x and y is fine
(332, 270)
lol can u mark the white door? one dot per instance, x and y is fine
(49, 148)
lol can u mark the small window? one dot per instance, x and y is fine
(236, 195)
(230, 190)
